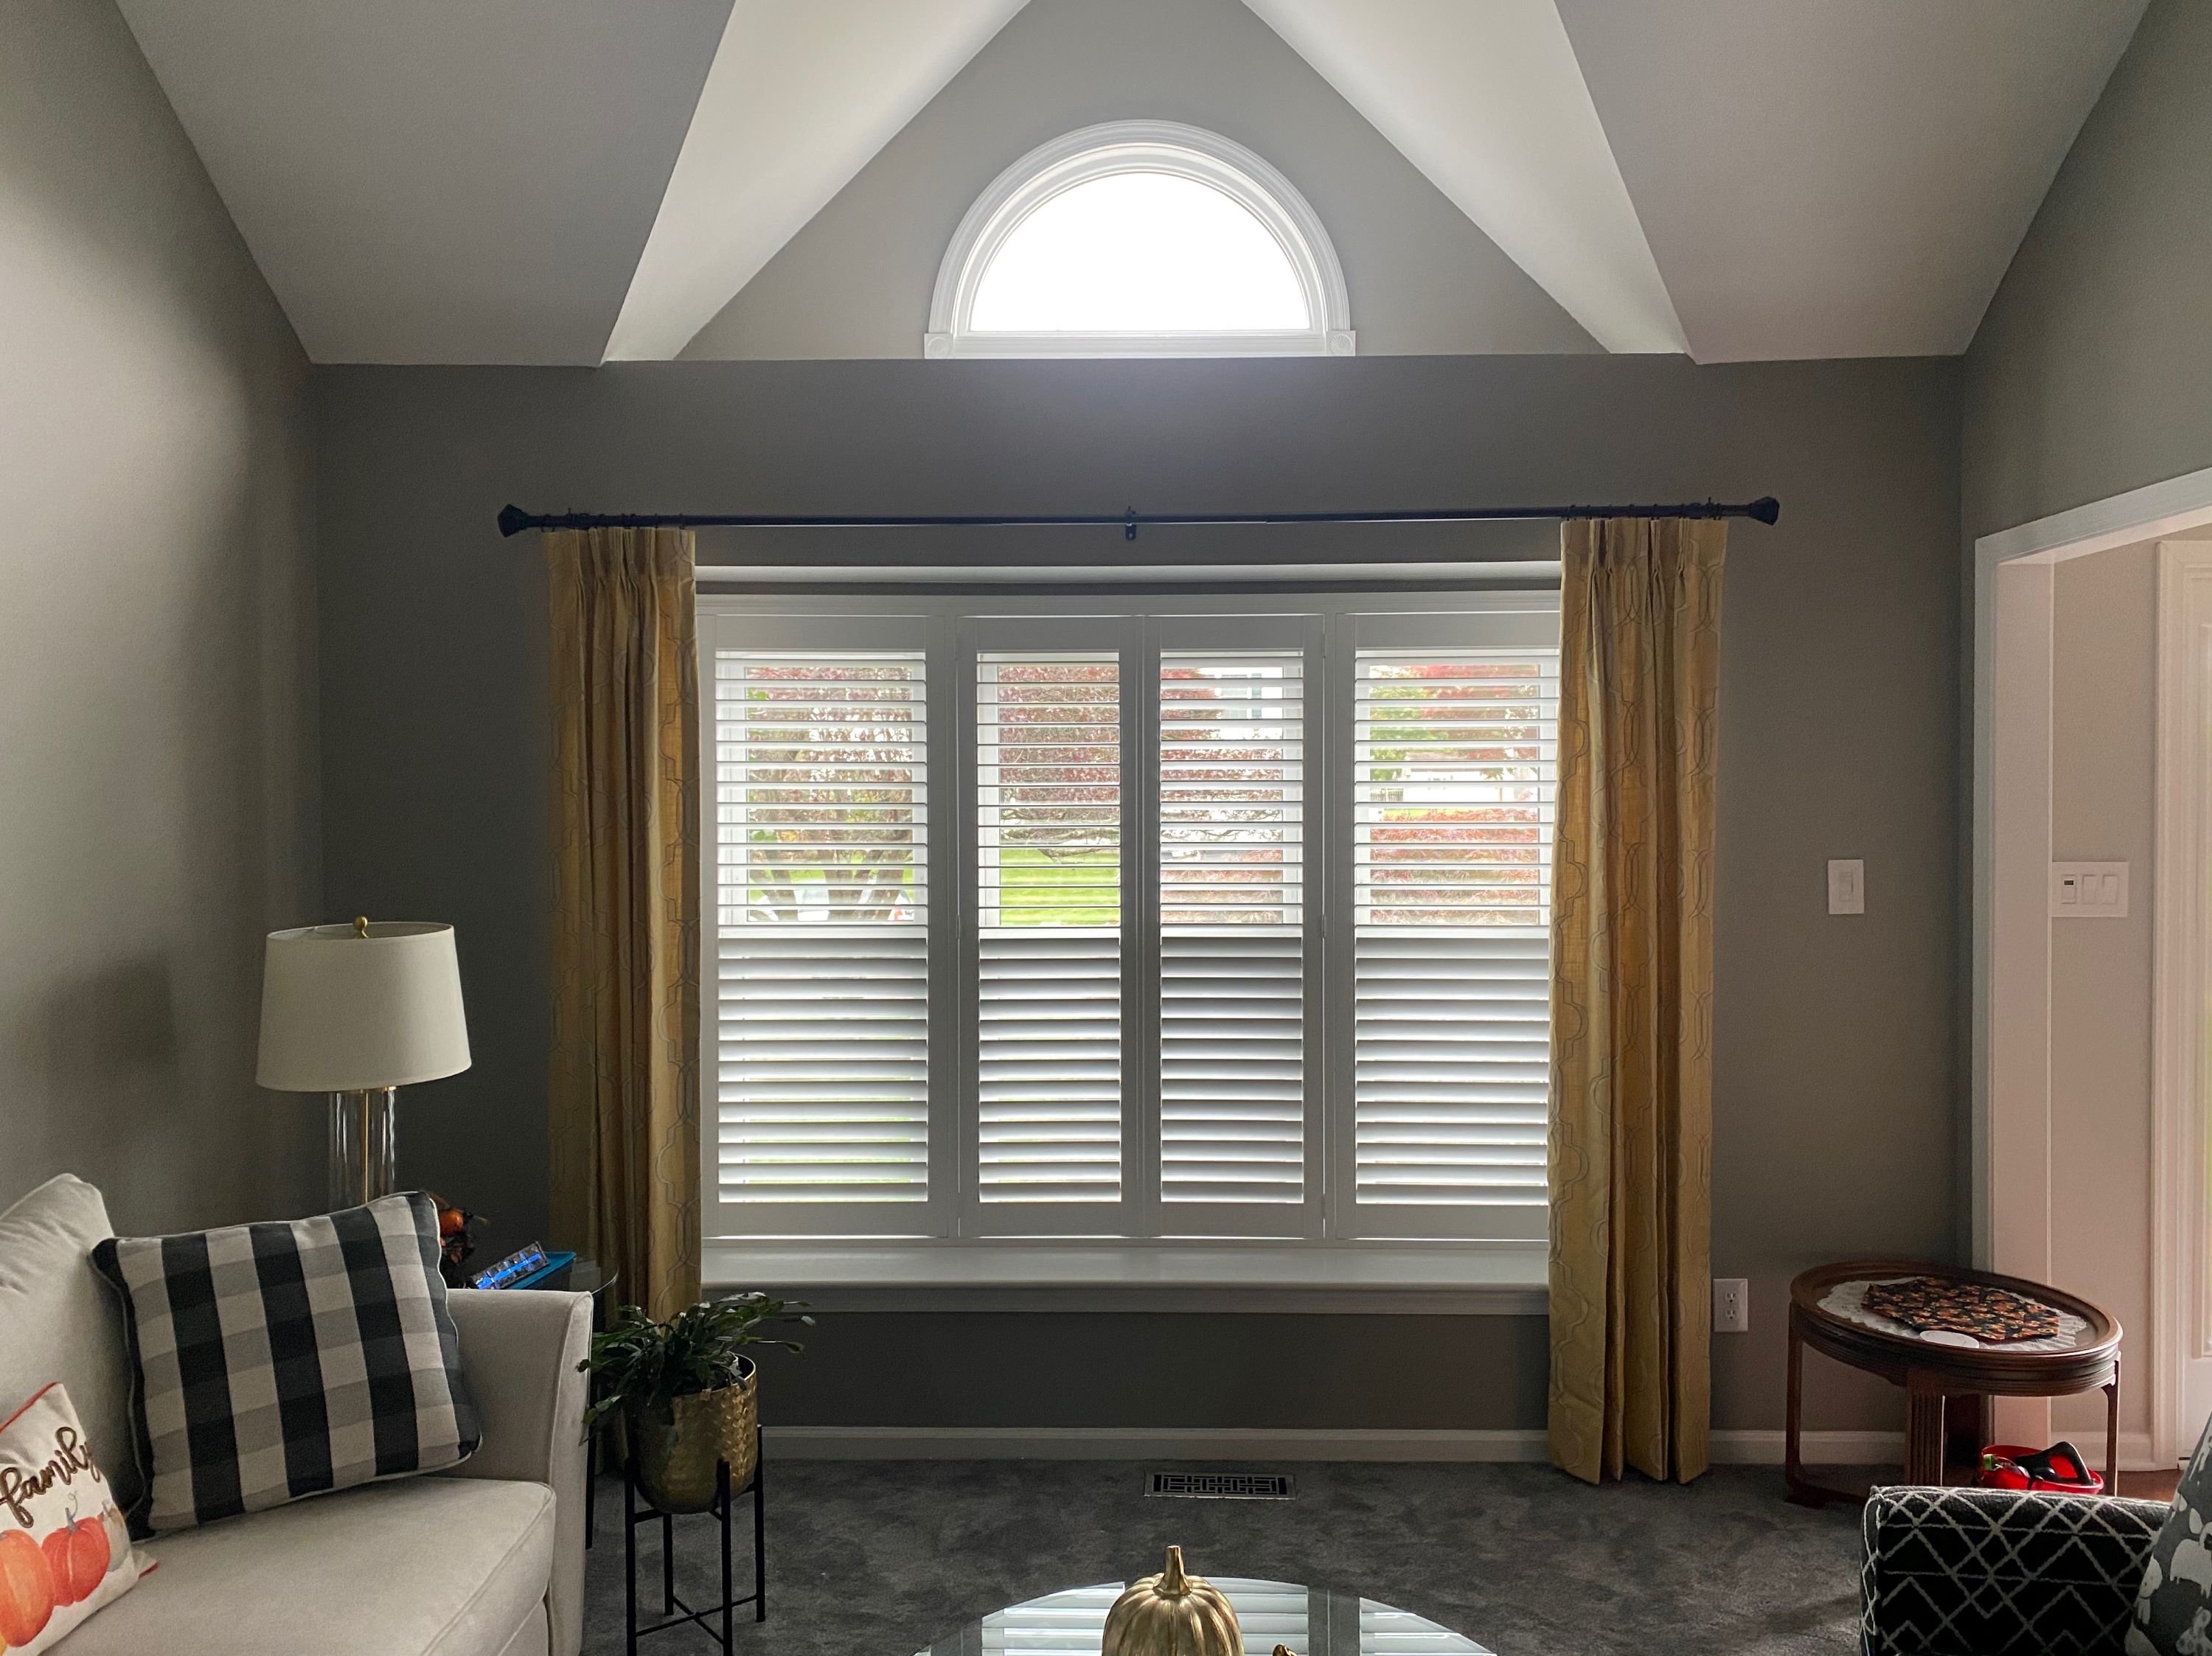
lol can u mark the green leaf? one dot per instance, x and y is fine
(639, 1364)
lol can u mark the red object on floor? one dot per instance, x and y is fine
(2060, 1470)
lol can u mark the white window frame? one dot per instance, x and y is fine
(722, 628)
(1117, 147)
(1047, 634)
(1289, 630)
(1530, 627)
(1408, 1263)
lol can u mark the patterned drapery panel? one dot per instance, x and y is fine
(625, 1070)
(1632, 997)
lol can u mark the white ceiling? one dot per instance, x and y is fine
(1840, 177)
(565, 180)
(438, 180)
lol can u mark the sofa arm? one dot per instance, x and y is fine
(519, 1350)
(2000, 1570)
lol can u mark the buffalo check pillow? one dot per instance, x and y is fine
(284, 1360)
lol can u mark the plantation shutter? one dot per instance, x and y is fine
(1384, 1631)
(1055, 1625)
(1067, 1624)
(1232, 937)
(1455, 764)
(820, 944)
(1049, 1041)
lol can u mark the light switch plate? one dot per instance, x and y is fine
(1847, 886)
(2089, 891)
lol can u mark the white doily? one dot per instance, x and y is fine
(1848, 1301)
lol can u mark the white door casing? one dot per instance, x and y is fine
(2181, 1273)
(2010, 941)
(2018, 1131)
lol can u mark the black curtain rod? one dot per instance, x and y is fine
(513, 520)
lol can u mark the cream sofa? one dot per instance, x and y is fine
(485, 1560)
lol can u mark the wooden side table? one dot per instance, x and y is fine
(1930, 1373)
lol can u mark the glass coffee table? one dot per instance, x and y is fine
(1310, 1621)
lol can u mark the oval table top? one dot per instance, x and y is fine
(2000, 1369)
(1308, 1620)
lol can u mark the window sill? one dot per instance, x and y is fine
(1418, 1278)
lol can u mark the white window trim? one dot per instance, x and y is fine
(1525, 623)
(1498, 1278)
(1095, 152)
(1122, 635)
(904, 1270)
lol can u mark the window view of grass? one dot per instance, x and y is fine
(1048, 762)
(1058, 886)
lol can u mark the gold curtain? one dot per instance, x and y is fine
(624, 1083)
(1632, 997)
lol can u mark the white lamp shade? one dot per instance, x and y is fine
(340, 1011)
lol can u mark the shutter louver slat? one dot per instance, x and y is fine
(1049, 948)
(1070, 1623)
(1454, 761)
(1384, 1631)
(821, 917)
(1232, 951)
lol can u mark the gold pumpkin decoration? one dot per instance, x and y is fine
(1172, 1614)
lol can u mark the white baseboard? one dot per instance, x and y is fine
(2134, 1451)
(1201, 1443)
(1764, 1449)
(1144, 1443)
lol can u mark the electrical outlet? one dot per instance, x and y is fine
(1731, 1305)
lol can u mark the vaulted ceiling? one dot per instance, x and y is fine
(571, 180)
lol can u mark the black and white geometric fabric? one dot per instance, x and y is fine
(2173, 1612)
(1965, 1572)
(283, 1359)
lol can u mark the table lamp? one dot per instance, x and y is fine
(358, 1011)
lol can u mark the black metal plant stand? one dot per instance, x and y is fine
(670, 1605)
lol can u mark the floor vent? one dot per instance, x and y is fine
(1222, 1486)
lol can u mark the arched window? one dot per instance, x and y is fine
(1141, 239)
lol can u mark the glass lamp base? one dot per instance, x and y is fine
(364, 1146)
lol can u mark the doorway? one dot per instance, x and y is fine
(2035, 1069)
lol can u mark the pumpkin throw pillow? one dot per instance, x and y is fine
(64, 1549)
(279, 1361)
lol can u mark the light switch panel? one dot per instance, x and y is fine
(2089, 891)
(1847, 886)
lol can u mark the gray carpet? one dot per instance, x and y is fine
(878, 1558)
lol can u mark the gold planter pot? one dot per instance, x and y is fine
(676, 1462)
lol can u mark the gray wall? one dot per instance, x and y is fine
(856, 279)
(156, 788)
(2092, 374)
(1835, 1100)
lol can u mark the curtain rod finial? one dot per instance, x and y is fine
(513, 520)
(1766, 509)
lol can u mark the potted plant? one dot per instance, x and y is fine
(687, 1394)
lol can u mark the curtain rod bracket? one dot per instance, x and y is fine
(1129, 524)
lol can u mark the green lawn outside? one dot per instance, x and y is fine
(1059, 888)
(1035, 888)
